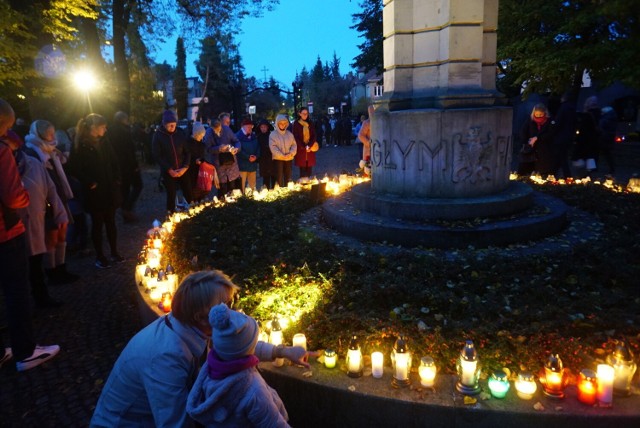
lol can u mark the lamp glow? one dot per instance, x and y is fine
(587, 387)
(553, 379)
(354, 359)
(377, 364)
(624, 367)
(300, 339)
(401, 361)
(275, 338)
(605, 374)
(427, 372)
(499, 384)
(526, 386)
(468, 368)
(330, 358)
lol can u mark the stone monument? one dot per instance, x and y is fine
(441, 137)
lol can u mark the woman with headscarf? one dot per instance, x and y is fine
(265, 162)
(41, 144)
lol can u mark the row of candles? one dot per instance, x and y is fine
(593, 387)
(632, 186)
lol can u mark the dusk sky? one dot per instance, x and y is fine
(290, 37)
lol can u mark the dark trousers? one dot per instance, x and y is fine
(15, 286)
(105, 218)
(131, 188)
(561, 160)
(36, 278)
(305, 171)
(283, 171)
(269, 181)
(171, 185)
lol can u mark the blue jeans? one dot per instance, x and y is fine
(15, 286)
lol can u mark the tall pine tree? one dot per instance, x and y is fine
(180, 89)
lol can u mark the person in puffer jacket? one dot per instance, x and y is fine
(229, 390)
(283, 149)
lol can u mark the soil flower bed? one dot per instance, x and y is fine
(517, 310)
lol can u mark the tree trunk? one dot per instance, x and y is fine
(122, 82)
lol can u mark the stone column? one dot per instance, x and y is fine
(440, 129)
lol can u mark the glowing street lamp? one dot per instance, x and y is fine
(85, 81)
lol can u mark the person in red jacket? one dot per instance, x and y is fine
(305, 134)
(13, 255)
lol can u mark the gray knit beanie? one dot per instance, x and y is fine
(234, 334)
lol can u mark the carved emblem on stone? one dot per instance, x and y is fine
(472, 156)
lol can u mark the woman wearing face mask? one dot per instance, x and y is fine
(95, 165)
(41, 144)
(537, 153)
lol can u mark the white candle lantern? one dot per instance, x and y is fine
(401, 361)
(499, 384)
(427, 372)
(330, 358)
(526, 385)
(275, 338)
(300, 339)
(468, 368)
(624, 367)
(377, 364)
(354, 358)
(605, 374)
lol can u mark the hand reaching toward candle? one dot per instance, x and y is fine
(295, 354)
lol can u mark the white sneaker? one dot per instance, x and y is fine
(39, 356)
(6, 357)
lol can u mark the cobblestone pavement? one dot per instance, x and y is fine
(99, 316)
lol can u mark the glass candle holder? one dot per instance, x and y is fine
(468, 368)
(330, 358)
(624, 368)
(401, 361)
(587, 387)
(355, 365)
(553, 377)
(499, 384)
(377, 364)
(526, 385)
(276, 338)
(427, 372)
(299, 339)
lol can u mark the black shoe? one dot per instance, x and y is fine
(62, 276)
(102, 263)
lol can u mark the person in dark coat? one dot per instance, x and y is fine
(265, 162)
(564, 131)
(608, 124)
(197, 149)
(537, 153)
(171, 152)
(305, 134)
(95, 165)
(121, 139)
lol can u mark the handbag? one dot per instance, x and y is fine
(226, 158)
(205, 176)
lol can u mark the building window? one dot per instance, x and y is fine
(378, 90)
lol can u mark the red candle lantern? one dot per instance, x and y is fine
(587, 387)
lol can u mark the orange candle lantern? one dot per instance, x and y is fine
(553, 378)
(587, 387)
(165, 302)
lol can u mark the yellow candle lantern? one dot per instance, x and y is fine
(587, 387)
(300, 339)
(526, 385)
(401, 361)
(330, 358)
(427, 372)
(468, 368)
(624, 368)
(553, 377)
(354, 358)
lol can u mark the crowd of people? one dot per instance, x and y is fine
(551, 140)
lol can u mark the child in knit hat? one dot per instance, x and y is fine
(229, 391)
